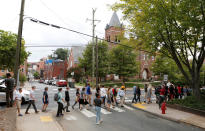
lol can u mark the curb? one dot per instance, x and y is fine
(168, 118)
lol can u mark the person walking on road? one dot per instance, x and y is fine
(18, 98)
(60, 103)
(114, 96)
(108, 97)
(9, 83)
(138, 92)
(77, 99)
(145, 93)
(45, 99)
(97, 102)
(67, 99)
(32, 100)
(122, 96)
(103, 94)
(89, 94)
(83, 101)
(149, 94)
(135, 94)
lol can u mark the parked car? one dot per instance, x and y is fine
(54, 83)
(46, 82)
(25, 94)
(62, 83)
(41, 81)
(49, 82)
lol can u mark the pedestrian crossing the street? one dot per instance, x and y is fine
(91, 112)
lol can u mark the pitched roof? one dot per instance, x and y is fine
(115, 22)
(77, 53)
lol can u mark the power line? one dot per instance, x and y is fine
(60, 27)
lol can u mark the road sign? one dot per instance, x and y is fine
(165, 77)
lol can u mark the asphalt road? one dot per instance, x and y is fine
(119, 119)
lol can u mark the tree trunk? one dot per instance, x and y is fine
(195, 84)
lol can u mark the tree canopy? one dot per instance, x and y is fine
(86, 60)
(8, 43)
(123, 61)
(175, 28)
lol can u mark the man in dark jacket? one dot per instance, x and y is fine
(67, 99)
(138, 91)
(9, 82)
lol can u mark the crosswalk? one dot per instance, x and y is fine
(91, 112)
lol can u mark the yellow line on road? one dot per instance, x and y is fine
(140, 106)
(46, 119)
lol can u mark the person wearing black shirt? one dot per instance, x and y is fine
(67, 99)
(45, 99)
(9, 82)
(97, 102)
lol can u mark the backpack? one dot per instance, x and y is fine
(56, 98)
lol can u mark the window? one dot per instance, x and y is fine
(71, 64)
(153, 58)
(115, 38)
(108, 38)
(144, 57)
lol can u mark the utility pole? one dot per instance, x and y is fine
(18, 46)
(93, 43)
(96, 57)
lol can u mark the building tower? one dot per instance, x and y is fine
(114, 30)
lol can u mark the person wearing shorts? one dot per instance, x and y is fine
(45, 99)
(18, 98)
(109, 98)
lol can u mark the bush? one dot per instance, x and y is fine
(22, 78)
(191, 102)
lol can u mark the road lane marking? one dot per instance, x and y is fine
(70, 117)
(139, 106)
(129, 108)
(105, 111)
(46, 119)
(87, 113)
(118, 109)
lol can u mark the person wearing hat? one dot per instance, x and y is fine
(122, 95)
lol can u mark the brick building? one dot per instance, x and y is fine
(113, 31)
(55, 69)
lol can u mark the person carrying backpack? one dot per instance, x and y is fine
(60, 101)
(122, 96)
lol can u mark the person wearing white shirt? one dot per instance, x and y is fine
(103, 94)
(32, 100)
(18, 97)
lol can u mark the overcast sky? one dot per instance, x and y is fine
(67, 13)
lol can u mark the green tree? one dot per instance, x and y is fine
(86, 60)
(123, 61)
(78, 73)
(36, 75)
(61, 53)
(8, 50)
(164, 65)
(172, 27)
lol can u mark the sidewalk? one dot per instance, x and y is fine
(8, 119)
(173, 114)
(37, 122)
